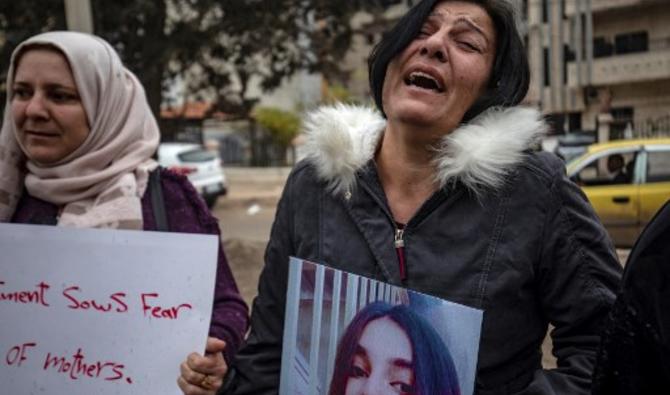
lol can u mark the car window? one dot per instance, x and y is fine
(613, 169)
(197, 155)
(658, 166)
(568, 154)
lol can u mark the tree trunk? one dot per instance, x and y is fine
(154, 45)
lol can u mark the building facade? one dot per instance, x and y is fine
(601, 65)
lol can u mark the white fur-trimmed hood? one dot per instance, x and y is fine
(341, 139)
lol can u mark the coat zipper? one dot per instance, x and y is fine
(400, 251)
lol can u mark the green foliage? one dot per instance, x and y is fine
(218, 47)
(215, 47)
(20, 20)
(338, 93)
(283, 126)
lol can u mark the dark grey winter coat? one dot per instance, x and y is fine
(508, 233)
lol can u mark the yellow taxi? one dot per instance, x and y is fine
(626, 181)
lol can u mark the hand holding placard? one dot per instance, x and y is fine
(101, 311)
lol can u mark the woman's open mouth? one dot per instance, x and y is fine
(425, 81)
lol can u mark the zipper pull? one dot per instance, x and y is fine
(400, 251)
(399, 242)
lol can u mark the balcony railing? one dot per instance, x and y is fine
(621, 69)
(605, 5)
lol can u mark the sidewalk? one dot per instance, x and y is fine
(246, 215)
(248, 184)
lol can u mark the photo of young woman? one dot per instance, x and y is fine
(389, 349)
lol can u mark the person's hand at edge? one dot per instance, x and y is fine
(203, 375)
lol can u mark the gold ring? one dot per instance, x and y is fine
(206, 383)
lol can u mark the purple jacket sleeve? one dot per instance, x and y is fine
(187, 213)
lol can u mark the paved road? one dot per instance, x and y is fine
(246, 216)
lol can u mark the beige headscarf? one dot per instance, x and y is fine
(102, 182)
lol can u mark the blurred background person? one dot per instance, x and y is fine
(440, 193)
(634, 357)
(616, 165)
(76, 150)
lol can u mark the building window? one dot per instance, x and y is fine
(574, 121)
(545, 11)
(547, 81)
(583, 38)
(631, 42)
(622, 113)
(564, 15)
(568, 53)
(602, 48)
(658, 166)
(556, 123)
(568, 56)
(622, 117)
(524, 10)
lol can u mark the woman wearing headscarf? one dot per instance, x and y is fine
(76, 150)
(440, 192)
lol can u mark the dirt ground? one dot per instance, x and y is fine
(246, 216)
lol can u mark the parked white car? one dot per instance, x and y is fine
(202, 167)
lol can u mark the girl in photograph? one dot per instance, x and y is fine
(390, 349)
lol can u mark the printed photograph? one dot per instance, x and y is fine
(346, 335)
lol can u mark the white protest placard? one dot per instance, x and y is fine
(91, 311)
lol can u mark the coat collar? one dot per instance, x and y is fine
(341, 139)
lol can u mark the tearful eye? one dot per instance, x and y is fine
(403, 388)
(20, 93)
(469, 46)
(61, 97)
(357, 371)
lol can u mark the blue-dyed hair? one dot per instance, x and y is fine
(434, 370)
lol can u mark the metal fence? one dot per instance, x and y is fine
(659, 127)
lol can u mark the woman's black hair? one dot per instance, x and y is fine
(510, 75)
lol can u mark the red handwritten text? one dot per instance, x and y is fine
(18, 354)
(116, 301)
(36, 296)
(76, 367)
(171, 313)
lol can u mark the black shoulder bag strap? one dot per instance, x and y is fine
(157, 202)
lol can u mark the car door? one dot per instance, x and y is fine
(614, 198)
(655, 186)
